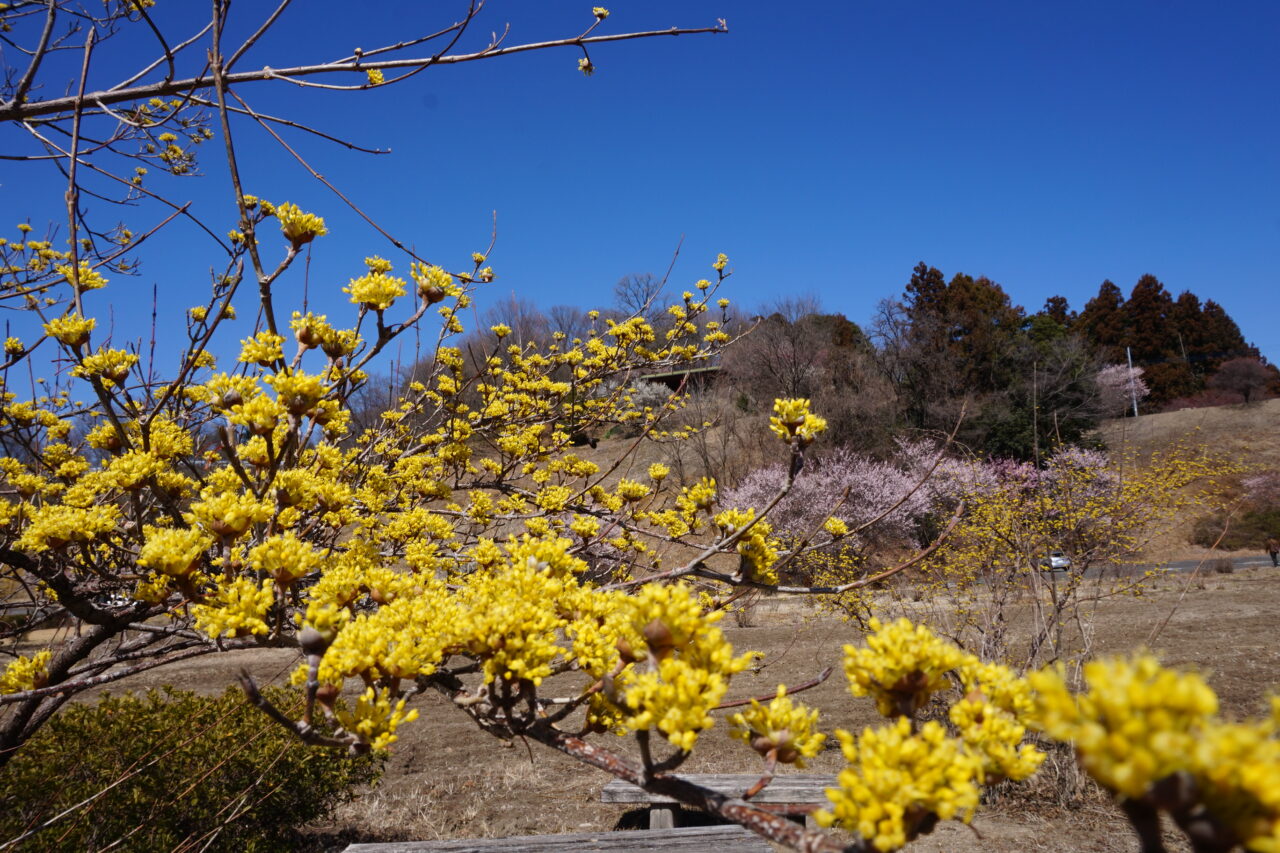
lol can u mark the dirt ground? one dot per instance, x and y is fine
(446, 779)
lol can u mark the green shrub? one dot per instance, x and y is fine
(185, 772)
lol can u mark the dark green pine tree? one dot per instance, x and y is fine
(1103, 323)
(929, 379)
(1059, 310)
(1222, 339)
(1148, 321)
(983, 324)
(1188, 321)
(1153, 335)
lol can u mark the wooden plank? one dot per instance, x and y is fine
(721, 839)
(663, 817)
(804, 788)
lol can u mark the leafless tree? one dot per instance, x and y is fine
(1248, 377)
(639, 294)
(569, 319)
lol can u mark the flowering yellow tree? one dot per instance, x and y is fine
(179, 506)
(1098, 511)
(189, 506)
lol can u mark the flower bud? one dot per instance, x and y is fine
(312, 642)
(431, 293)
(659, 639)
(327, 695)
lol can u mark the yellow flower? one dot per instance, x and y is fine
(434, 283)
(112, 365)
(375, 719)
(26, 673)
(782, 728)
(901, 666)
(600, 12)
(297, 392)
(758, 550)
(631, 491)
(995, 737)
(298, 227)
(1136, 724)
(836, 527)
(70, 329)
(792, 419)
(83, 277)
(375, 290)
(898, 783)
(55, 526)
(237, 609)
(375, 76)
(285, 557)
(174, 552)
(694, 664)
(585, 66)
(265, 348)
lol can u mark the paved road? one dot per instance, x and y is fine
(1249, 562)
(1245, 562)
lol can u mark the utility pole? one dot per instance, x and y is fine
(1133, 394)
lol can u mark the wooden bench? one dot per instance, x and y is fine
(794, 795)
(714, 839)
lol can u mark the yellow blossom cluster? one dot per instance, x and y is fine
(71, 329)
(783, 729)
(375, 719)
(899, 783)
(902, 779)
(901, 666)
(26, 673)
(992, 718)
(792, 420)
(689, 664)
(759, 551)
(83, 277)
(113, 365)
(375, 290)
(299, 228)
(264, 349)
(238, 608)
(260, 505)
(1138, 727)
(1136, 723)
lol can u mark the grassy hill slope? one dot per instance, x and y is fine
(1248, 435)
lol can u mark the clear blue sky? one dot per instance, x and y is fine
(826, 147)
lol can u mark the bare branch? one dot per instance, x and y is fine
(24, 85)
(58, 106)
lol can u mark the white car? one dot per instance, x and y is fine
(1056, 560)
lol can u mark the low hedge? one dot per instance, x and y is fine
(172, 770)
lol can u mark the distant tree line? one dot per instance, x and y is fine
(1026, 383)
